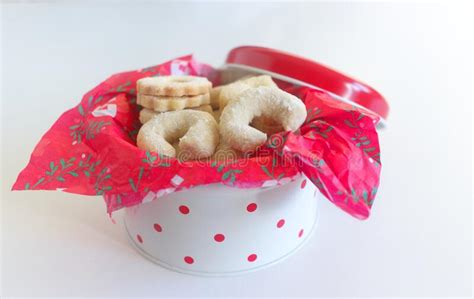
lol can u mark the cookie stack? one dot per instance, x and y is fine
(245, 113)
(172, 93)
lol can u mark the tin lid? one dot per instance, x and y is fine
(303, 71)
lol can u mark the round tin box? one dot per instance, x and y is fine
(216, 230)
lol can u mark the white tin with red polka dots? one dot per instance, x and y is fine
(220, 230)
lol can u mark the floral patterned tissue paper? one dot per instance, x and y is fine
(91, 150)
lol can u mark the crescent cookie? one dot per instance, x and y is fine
(284, 108)
(176, 86)
(197, 132)
(147, 114)
(232, 91)
(162, 104)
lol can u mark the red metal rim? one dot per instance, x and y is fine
(312, 73)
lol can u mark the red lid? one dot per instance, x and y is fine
(312, 73)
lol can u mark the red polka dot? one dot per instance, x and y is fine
(280, 223)
(188, 260)
(219, 237)
(252, 207)
(139, 238)
(158, 227)
(184, 210)
(303, 184)
(300, 234)
(251, 258)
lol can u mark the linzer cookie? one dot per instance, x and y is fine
(167, 103)
(174, 86)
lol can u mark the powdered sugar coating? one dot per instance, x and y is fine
(197, 132)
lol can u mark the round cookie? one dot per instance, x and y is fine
(175, 86)
(161, 104)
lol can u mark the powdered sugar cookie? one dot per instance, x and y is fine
(232, 91)
(147, 114)
(284, 108)
(197, 132)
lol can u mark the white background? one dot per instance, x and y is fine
(418, 239)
